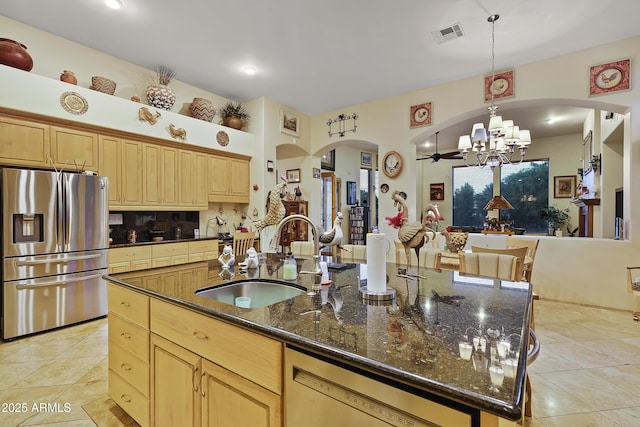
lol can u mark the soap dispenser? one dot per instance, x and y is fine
(290, 268)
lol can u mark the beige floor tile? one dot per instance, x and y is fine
(593, 419)
(42, 349)
(74, 398)
(76, 423)
(574, 331)
(105, 413)
(98, 373)
(29, 400)
(625, 417)
(599, 393)
(90, 346)
(549, 400)
(61, 371)
(13, 373)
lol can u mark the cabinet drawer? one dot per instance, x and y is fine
(130, 368)
(229, 346)
(170, 250)
(129, 304)
(196, 257)
(130, 399)
(129, 335)
(179, 259)
(161, 262)
(203, 246)
(130, 253)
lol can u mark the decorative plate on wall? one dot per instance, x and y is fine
(392, 164)
(74, 103)
(384, 188)
(223, 138)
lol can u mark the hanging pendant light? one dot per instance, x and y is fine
(494, 145)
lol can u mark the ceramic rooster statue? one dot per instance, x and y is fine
(275, 208)
(412, 235)
(332, 237)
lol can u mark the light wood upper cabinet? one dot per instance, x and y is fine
(228, 179)
(121, 161)
(192, 177)
(24, 143)
(160, 170)
(74, 149)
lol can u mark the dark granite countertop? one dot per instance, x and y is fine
(413, 341)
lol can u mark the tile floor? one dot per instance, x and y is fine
(587, 374)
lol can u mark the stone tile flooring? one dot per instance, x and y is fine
(587, 374)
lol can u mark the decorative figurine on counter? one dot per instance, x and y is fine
(226, 258)
(251, 260)
(275, 208)
(226, 273)
(412, 235)
(334, 236)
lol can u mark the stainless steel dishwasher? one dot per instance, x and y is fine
(320, 393)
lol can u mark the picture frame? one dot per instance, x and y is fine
(328, 161)
(587, 151)
(499, 85)
(269, 165)
(316, 173)
(609, 77)
(436, 191)
(420, 115)
(293, 175)
(289, 123)
(366, 159)
(564, 187)
(351, 193)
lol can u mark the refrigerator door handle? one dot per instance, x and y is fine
(56, 261)
(58, 283)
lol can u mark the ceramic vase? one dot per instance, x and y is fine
(161, 96)
(202, 109)
(233, 121)
(103, 84)
(68, 77)
(14, 54)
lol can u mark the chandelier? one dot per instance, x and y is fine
(495, 145)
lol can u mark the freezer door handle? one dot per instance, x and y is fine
(56, 261)
(58, 283)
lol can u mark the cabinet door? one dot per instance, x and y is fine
(151, 188)
(239, 172)
(109, 165)
(186, 177)
(24, 143)
(175, 394)
(217, 176)
(230, 400)
(131, 173)
(169, 182)
(200, 196)
(71, 148)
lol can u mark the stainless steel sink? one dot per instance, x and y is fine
(261, 293)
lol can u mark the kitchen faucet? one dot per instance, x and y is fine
(315, 269)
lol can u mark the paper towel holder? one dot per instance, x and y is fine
(375, 297)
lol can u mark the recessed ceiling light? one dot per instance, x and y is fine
(250, 71)
(113, 4)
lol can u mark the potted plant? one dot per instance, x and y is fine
(234, 115)
(159, 94)
(555, 217)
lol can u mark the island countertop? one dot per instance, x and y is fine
(413, 340)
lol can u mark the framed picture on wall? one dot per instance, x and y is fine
(289, 123)
(328, 161)
(610, 77)
(436, 191)
(498, 85)
(586, 154)
(351, 193)
(293, 175)
(564, 186)
(366, 159)
(420, 115)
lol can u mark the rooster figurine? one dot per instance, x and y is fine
(332, 237)
(275, 209)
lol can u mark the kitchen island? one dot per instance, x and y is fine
(384, 354)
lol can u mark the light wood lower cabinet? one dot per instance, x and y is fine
(133, 258)
(204, 372)
(129, 343)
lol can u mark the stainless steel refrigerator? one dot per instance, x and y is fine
(54, 251)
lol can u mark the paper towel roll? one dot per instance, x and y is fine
(376, 262)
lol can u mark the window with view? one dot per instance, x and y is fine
(524, 185)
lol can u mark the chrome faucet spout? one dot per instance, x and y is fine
(315, 269)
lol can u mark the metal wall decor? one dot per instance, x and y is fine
(341, 125)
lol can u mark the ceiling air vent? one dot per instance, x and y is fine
(449, 33)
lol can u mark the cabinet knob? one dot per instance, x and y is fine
(200, 336)
(125, 335)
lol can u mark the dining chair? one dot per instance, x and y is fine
(520, 252)
(301, 248)
(497, 266)
(353, 252)
(242, 241)
(431, 258)
(532, 248)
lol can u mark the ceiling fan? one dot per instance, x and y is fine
(437, 156)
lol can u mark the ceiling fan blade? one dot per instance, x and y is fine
(451, 155)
